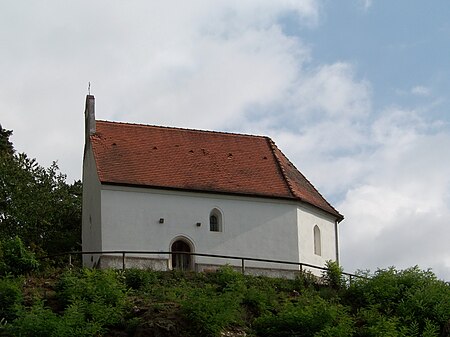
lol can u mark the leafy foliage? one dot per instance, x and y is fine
(39, 321)
(408, 303)
(10, 298)
(36, 203)
(309, 316)
(92, 287)
(404, 303)
(15, 258)
(210, 312)
(137, 278)
(93, 300)
(333, 275)
(6, 147)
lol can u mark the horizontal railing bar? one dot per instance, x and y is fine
(231, 257)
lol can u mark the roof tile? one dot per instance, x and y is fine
(203, 161)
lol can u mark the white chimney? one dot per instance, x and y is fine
(89, 115)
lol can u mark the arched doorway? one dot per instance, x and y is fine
(181, 261)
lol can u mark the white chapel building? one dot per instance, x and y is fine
(164, 189)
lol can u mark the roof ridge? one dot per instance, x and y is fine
(272, 146)
(309, 182)
(182, 129)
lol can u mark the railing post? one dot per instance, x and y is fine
(123, 261)
(301, 268)
(70, 260)
(243, 266)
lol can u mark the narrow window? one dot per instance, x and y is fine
(213, 224)
(215, 221)
(317, 241)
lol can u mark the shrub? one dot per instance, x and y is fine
(427, 303)
(227, 279)
(15, 258)
(374, 324)
(258, 301)
(98, 295)
(209, 313)
(308, 317)
(138, 278)
(35, 322)
(10, 298)
(410, 299)
(39, 321)
(333, 275)
(92, 285)
(305, 280)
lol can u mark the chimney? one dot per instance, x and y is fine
(89, 116)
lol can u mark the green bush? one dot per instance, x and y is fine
(10, 298)
(39, 321)
(333, 275)
(388, 287)
(209, 312)
(227, 279)
(310, 316)
(305, 280)
(138, 278)
(15, 258)
(258, 301)
(99, 295)
(35, 322)
(427, 301)
(92, 285)
(408, 303)
(372, 323)
(410, 300)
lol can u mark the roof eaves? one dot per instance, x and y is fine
(167, 188)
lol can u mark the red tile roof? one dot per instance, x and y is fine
(204, 161)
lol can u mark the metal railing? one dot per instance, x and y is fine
(242, 259)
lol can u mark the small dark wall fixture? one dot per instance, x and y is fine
(161, 220)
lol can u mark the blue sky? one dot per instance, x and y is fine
(397, 46)
(355, 92)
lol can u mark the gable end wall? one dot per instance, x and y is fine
(308, 217)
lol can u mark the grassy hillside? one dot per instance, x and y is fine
(83, 302)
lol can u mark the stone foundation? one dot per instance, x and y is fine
(139, 262)
(161, 264)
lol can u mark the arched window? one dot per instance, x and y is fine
(317, 241)
(215, 221)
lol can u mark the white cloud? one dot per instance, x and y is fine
(332, 90)
(195, 64)
(421, 91)
(396, 215)
(365, 4)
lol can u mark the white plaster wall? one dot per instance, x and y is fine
(252, 227)
(91, 213)
(308, 217)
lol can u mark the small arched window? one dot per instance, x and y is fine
(317, 241)
(215, 221)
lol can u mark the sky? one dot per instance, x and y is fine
(354, 92)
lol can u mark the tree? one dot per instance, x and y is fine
(6, 147)
(36, 203)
